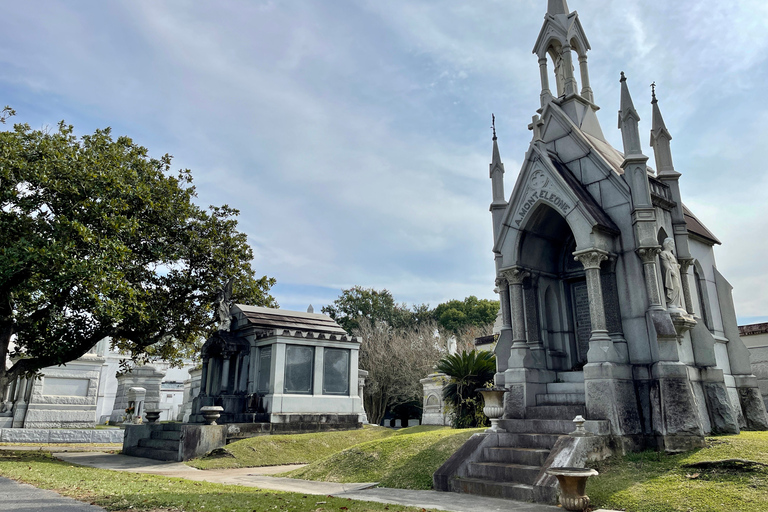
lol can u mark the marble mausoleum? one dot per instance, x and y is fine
(612, 304)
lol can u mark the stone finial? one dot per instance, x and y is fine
(310, 309)
(578, 421)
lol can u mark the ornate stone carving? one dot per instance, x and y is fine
(515, 276)
(648, 254)
(223, 295)
(591, 258)
(673, 284)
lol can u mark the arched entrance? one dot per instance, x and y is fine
(557, 305)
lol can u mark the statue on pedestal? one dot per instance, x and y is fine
(673, 283)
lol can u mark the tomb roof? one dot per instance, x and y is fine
(283, 319)
(696, 227)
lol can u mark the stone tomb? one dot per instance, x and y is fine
(281, 367)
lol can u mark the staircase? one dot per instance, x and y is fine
(511, 464)
(563, 400)
(162, 444)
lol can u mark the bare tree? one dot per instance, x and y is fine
(396, 359)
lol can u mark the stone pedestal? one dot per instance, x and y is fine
(676, 421)
(147, 377)
(610, 395)
(361, 375)
(191, 390)
(434, 411)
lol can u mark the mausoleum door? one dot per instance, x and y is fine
(579, 306)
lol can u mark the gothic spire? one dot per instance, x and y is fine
(557, 7)
(628, 120)
(660, 138)
(498, 205)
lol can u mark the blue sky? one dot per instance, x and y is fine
(354, 136)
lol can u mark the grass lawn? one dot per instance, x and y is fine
(404, 460)
(289, 448)
(655, 482)
(115, 490)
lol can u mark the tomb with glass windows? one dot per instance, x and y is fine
(274, 366)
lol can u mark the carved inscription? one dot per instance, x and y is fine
(545, 195)
(582, 317)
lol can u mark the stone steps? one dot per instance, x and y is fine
(503, 472)
(160, 444)
(170, 435)
(570, 377)
(154, 453)
(565, 387)
(555, 412)
(506, 490)
(561, 399)
(508, 455)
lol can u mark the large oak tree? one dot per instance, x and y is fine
(98, 239)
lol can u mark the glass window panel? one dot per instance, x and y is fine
(265, 369)
(336, 371)
(299, 361)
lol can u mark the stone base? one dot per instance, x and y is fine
(721, 417)
(675, 417)
(610, 395)
(34, 435)
(753, 407)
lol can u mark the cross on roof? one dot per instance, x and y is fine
(536, 124)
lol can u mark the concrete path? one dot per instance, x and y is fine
(22, 497)
(259, 477)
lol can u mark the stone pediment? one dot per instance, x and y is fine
(545, 180)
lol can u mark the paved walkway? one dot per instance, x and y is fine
(259, 477)
(22, 497)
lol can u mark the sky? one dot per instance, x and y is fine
(354, 137)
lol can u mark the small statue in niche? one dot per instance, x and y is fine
(223, 295)
(673, 283)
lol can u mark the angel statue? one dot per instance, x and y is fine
(671, 270)
(223, 295)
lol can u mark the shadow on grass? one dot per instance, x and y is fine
(652, 481)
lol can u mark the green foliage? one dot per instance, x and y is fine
(119, 490)
(101, 240)
(405, 460)
(456, 314)
(357, 303)
(289, 449)
(468, 371)
(654, 482)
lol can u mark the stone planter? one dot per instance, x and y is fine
(152, 416)
(211, 413)
(573, 481)
(493, 398)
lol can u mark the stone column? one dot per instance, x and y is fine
(546, 93)
(361, 375)
(520, 353)
(569, 87)
(586, 90)
(20, 406)
(224, 372)
(601, 347)
(204, 379)
(504, 343)
(685, 264)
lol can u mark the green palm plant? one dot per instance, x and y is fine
(468, 371)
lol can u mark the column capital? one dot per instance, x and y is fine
(515, 275)
(648, 254)
(685, 263)
(500, 283)
(591, 258)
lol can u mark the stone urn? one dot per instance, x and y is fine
(573, 482)
(152, 416)
(493, 398)
(211, 413)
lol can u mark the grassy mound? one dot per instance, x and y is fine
(288, 449)
(118, 490)
(655, 482)
(404, 460)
